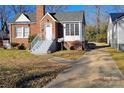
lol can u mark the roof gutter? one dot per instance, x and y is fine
(22, 23)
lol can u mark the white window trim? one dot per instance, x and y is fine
(70, 29)
(22, 30)
(16, 32)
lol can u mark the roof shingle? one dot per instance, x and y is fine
(68, 16)
(30, 16)
(116, 16)
(60, 16)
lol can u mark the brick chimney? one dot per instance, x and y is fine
(40, 11)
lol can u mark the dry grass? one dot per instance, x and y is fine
(118, 57)
(69, 54)
(19, 68)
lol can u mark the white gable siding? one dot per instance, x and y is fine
(109, 31)
(114, 36)
(22, 18)
(121, 31)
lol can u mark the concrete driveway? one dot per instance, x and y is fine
(95, 69)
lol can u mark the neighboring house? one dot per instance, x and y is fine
(1, 36)
(4, 34)
(49, 28)
(115, 32)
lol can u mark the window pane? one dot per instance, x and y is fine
(26, 32)
(18, 31)
(72, 29)
(76, 29)
(67, 29)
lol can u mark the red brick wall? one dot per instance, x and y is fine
(32, 31)
(34, 28)
(40, 11)
(46, 20)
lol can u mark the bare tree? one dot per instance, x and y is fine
(100, 16)
(3, 16)
(19, 8)
(55, 8)
(98, 13)
(22, 8)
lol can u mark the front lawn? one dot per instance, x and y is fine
(69, 54)
(118, 57)
(19, 68)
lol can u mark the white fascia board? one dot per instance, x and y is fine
(49, 15)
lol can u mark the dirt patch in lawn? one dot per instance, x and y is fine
(19, 68)
(69, 54)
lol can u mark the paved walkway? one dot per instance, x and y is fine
(95, 69)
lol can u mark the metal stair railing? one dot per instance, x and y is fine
(35, 40)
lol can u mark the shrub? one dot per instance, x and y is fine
(95, 34)
(21, 47)
(90, 33)
(14, 44)
(91, 45)
(101, 37)
(31, 37)
(75, 45)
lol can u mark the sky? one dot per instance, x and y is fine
(75, 7)
(89, 11)
(89, 8)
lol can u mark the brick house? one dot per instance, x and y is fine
(49, 28)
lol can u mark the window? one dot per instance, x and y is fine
(67, 29)
(72, 29)
(26, 32)
(76, 29)
(22, 32)
(19, 33)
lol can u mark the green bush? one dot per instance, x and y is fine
(101, 37)
(14, 44)
(30, 39)
(21, 47)
(93, 34)
(91, 46)
(90, 33)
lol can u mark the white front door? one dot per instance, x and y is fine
(48, 31)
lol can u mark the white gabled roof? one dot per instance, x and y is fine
(22, 18)
(49, 15)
